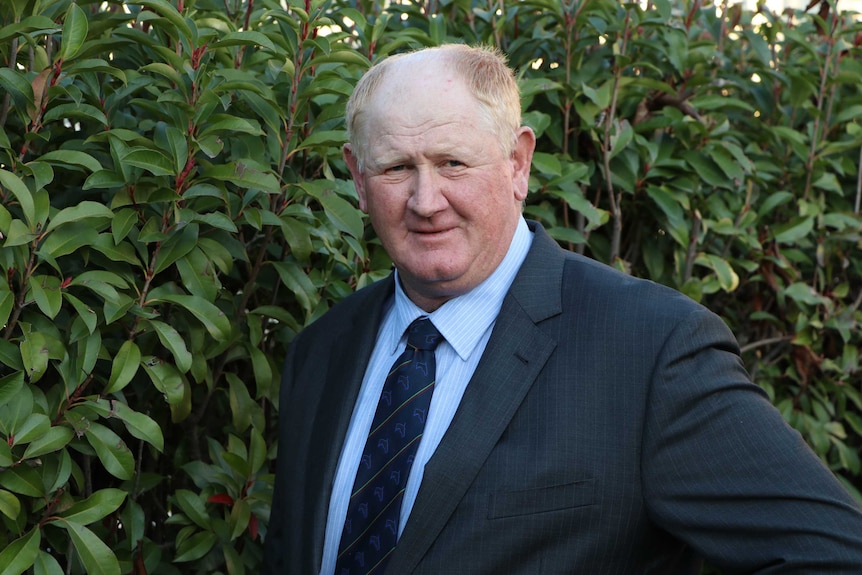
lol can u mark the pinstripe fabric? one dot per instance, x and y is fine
(608, 429)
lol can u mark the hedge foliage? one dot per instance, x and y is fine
(174, 208)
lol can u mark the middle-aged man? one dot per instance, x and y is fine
(554, 416)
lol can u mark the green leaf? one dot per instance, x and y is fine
(89, 348)
(122, 224)
(100, 504)
(123, 252)
(154, 162)
(10, 385)
(46, 291)
(241, 403)
(326, 138)
(706, 169)
(17, 409)
(13, 183)
(82, 211)
(19, 555)
(75, 27)
(85, 313)
(172, 340)
(72, 158)
(244, 176)
(297, 281)
(55, 438)
(298, 236)
(72, 237)
(9, 504)
(176, 247)
(64, 113)
(36, 425)
(233, 561)
(24, 480)
(103, 179)
(134, 522)
(7, 300)
(667, 200)
(98, 559)
(198, 274)
(804, 293)
(124, 366)
(195, 546)
(112, 451)
(718, 102)
(56, 471)
(46, 565)
(34, 354)
(168, 380)
(16, 85)
(793, 231)
(547, 164)
(213, 319)
(170, 13)
(165, 70)
(193, 506)
(138, 425)
(225, 123)
(239, 517)
(727, 277)
(773, 201)
(246, 38)
(6, 455)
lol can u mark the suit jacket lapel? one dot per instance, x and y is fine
(347, 360)
(516, 353)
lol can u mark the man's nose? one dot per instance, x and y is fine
(428, 194)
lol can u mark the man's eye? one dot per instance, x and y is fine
(453, 164)
(394, 169)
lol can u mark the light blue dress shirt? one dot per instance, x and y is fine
(466, 323)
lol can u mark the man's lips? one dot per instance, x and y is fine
(432, 233)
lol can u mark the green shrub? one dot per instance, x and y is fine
(174, 209)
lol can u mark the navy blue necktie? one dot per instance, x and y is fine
(373, 515)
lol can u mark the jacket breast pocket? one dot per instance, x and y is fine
(541, 500)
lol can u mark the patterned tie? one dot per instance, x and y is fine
(371, 528)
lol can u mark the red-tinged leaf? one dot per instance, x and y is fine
(222, 498)
(253, 527)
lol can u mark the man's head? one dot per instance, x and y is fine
(441, 165)
(483, 69)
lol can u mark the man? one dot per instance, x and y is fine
(582, 421)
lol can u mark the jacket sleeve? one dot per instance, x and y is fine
(723, 472)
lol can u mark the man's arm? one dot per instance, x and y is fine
(724, 472)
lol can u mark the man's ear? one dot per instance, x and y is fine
(522, 159)
(356, 173)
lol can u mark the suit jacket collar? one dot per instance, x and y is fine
(513, 358)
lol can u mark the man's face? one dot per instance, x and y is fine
(442, 195)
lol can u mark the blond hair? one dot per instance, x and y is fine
(483, 68)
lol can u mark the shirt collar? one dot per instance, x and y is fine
(464, 319)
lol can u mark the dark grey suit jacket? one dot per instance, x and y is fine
(610, 428)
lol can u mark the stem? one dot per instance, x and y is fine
(821, 98)
(692, 246)
(614, 198)
(19, 300)
(749, 188)
(765, 342)
(856, 205)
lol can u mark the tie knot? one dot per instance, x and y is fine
(423, 335)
